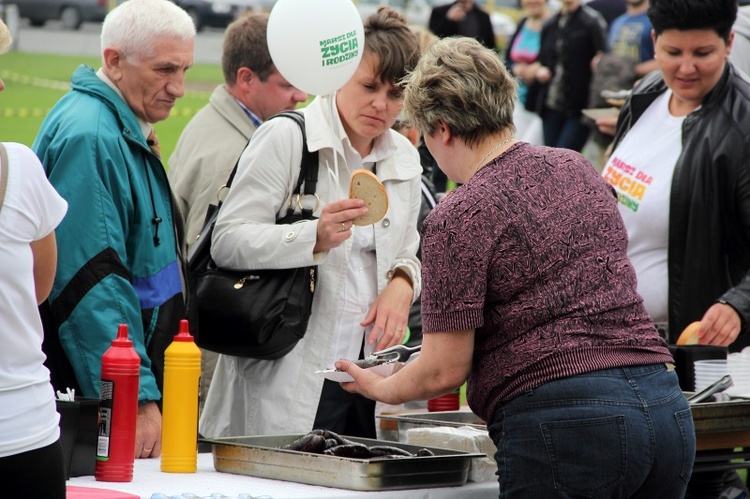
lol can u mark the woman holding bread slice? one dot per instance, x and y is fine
(529, 295)
(368, 272)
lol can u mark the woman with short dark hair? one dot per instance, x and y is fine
(680, 167)
(685, 198)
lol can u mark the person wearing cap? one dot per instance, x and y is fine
(121, 247)
(31, 454)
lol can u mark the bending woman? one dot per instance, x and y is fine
(528, 293)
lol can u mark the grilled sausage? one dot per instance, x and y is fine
(358, 451)
(388, 450)
(297, 444)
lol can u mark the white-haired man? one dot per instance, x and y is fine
(121, 243)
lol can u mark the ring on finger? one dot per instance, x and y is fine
(147, 450)
(343, 227)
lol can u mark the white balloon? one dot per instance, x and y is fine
(316, 44)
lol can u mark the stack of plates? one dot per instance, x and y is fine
(736, 365)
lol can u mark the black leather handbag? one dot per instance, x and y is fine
(260, 314)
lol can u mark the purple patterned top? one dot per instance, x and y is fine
(531, 252)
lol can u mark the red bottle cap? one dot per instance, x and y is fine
(184, 333)
(122, 337)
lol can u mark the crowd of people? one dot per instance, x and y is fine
(551, 286)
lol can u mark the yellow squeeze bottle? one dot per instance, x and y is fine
(179, 426)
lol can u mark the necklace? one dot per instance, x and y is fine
(501, 144)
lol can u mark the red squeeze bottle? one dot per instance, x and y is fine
(448, 402)
(118, 410)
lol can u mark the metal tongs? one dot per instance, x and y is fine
(712, 389)
(396, 353)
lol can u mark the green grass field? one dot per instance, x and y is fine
(35, 82)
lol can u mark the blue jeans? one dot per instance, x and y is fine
(623, 432)
(562, 130)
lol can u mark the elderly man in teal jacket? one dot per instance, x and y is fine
(120, 247)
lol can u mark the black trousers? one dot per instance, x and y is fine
(37, 473)
(345, 413)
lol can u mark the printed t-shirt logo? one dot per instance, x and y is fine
(629, 182)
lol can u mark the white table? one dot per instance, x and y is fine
(148, 480)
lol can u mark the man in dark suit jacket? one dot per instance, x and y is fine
(609, 9)
(463, 18)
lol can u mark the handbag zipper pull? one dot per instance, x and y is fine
(312, 280)
(241, 282)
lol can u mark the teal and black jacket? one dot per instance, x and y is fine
(119, 247)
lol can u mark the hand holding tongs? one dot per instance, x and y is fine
(396, 353)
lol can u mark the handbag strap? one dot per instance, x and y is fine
(4, 170)
(308, 169)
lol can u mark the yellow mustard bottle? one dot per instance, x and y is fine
(179, 425)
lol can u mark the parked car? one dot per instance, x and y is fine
(214, 13)
(72, 13)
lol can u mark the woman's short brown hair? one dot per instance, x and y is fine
(389, 38)
(463, 84)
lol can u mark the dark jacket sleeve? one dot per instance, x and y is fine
(439, 23)
(739, 295)
(486, 33)
(599, 32)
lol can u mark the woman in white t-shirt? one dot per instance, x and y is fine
(679, 165)
(31, 459)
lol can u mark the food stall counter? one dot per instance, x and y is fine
(149, 480)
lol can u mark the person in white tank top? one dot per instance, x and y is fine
(31, 456)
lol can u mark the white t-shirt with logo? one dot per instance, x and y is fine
(641, 171)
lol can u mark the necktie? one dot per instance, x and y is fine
(153, 143)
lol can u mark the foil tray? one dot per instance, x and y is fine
(453, 419)
(261, 456)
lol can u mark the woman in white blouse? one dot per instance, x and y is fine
(367, 276)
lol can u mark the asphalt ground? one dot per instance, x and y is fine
(52, 39)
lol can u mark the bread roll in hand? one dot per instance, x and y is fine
(689, 335)
(367, 187)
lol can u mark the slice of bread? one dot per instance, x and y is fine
(366, 186)
(689, 335)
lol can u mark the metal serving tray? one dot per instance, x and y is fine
(732, 415)
(261, 456)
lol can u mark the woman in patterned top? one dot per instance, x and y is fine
(528, 294)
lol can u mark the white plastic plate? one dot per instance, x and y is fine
(382, 370)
